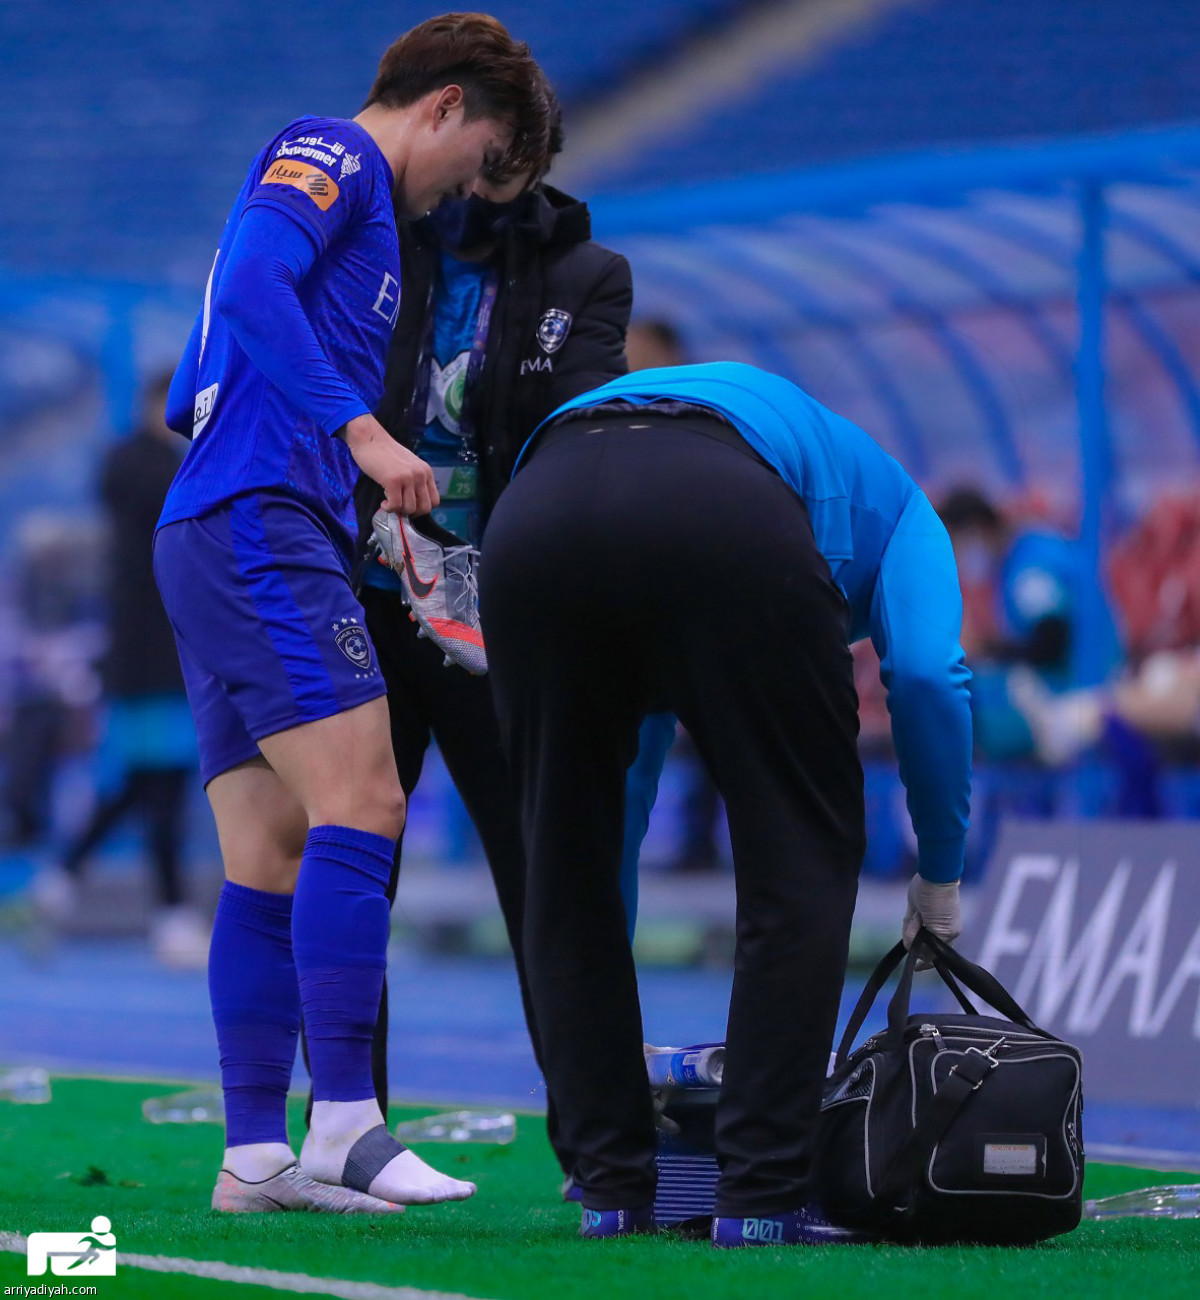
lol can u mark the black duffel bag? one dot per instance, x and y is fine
(949, 1128)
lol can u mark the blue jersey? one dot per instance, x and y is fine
(888, 552)
(327, 178)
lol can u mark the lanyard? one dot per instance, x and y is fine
(420, 402)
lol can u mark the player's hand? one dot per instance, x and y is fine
(934, 906)
(408, 483)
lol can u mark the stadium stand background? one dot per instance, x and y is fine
(915, 75)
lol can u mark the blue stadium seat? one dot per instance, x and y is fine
(132, 126)
(949, 73)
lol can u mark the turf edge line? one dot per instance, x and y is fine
(1187, 1162)
(217, 1271)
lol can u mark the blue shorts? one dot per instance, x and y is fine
(269, 632)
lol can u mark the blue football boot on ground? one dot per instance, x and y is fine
(806, 1227)
(616, 1223)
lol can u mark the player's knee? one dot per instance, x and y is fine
(394, 810)
(380, 808)
(263, 865)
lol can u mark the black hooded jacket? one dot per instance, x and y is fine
(550, 269)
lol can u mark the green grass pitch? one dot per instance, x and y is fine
(89, 1152)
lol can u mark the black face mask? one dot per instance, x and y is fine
(474, 222)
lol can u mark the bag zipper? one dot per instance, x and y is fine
(973, 1031)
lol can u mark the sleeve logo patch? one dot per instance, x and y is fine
(322, 189)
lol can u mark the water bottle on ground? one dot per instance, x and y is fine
(1179, 1202)
(701, 1066)
(196, 1106)
(460, 1126)
(28, 1085)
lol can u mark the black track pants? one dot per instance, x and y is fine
(427, 699)
(640, 563)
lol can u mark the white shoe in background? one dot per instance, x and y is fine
(179, 937)
(54, 894)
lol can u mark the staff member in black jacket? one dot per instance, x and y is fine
(508, 308)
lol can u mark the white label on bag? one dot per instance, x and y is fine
(1010, 1158)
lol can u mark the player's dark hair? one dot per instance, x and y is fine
(554, 134)
(498, 75)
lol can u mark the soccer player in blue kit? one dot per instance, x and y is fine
(252, 556)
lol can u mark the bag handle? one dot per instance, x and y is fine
(959, 996)
(898, 1006)
(951, 966)
(949, 961)
(877, 979)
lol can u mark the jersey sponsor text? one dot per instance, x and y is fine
(322, 189)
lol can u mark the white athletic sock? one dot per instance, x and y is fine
(256, 1161)
(404, 1180)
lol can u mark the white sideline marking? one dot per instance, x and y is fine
(266, 1277)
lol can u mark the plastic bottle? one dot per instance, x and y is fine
(460, 1126)
(196, 1106)
(1179, 1202)
(28, 1085)
(701, 1066)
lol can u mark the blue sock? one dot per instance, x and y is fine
(339, 935)
(256, 1010)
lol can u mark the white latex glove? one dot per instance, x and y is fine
(934, 906)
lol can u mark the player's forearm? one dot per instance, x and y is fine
(931, 730)
(916, 622)
(257, 298)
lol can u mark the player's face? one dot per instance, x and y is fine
(448, 156)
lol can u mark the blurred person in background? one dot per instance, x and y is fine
(1021, 594)
(1154, 573)
(149, 746)
(710, 540)
(653, 343)
(508, 309)
(53, 637)
(1159, 700)
(1031, 697)
(253, 556)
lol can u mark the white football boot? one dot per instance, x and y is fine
(292, 1189)
(440, 576)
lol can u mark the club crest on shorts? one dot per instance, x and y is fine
(553, 328)
(352, 641)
